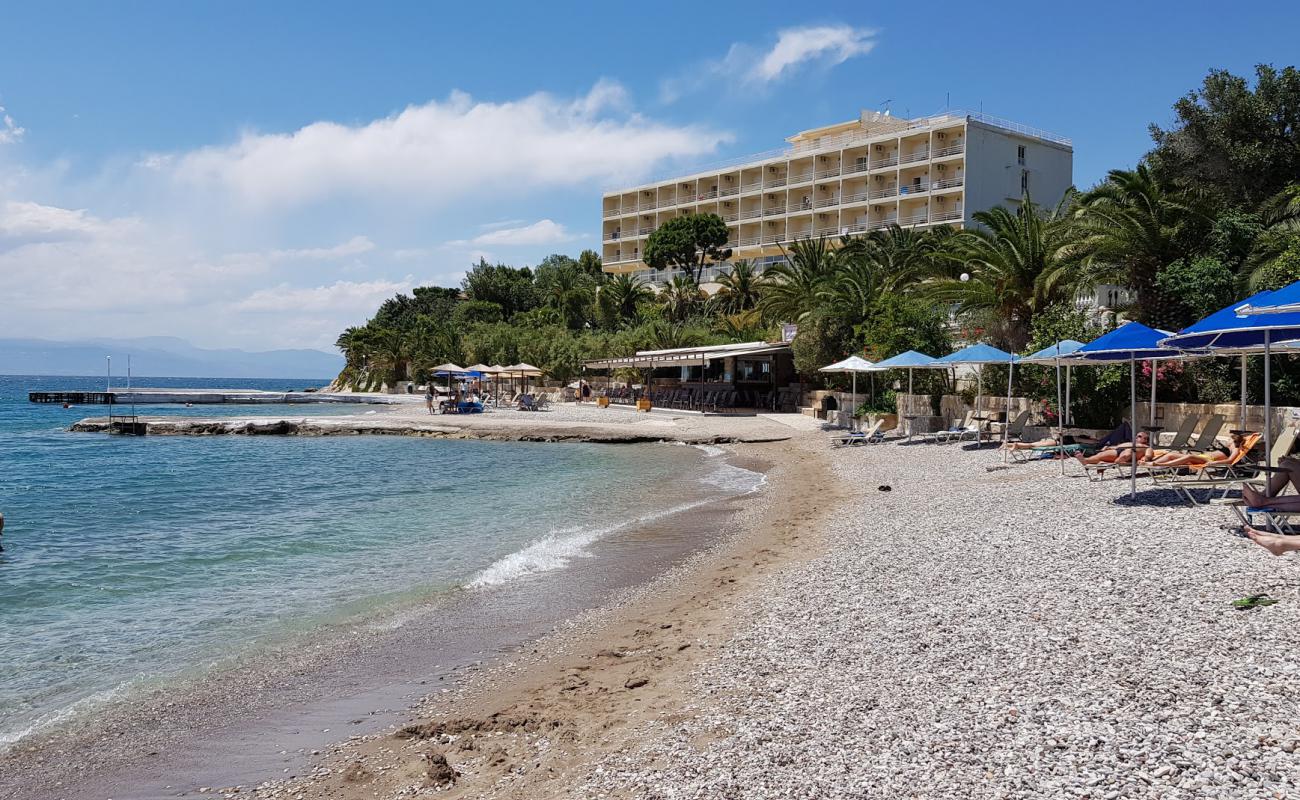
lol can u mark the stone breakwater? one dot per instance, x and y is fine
(490, 427)
(994, 634)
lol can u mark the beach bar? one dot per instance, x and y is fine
(758, 375)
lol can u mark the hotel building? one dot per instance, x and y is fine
(847, 179)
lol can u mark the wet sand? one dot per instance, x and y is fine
(298, 710)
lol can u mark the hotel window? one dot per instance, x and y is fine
(1024, 181)
(1020, 155)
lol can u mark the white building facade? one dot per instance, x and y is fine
(847, 179)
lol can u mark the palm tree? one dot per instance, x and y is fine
(1280, 217)
(680, 298)
(739, 288)
(620, 299)
(791, 290)
(903, 257)
(569, 291)
(1132, 226)
(1015, 265)
(742, 326)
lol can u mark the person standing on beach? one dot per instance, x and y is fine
(428, 396)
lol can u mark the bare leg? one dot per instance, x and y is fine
(1272, 542)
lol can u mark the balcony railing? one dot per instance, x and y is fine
(914, 219)
(887, 161)
(732, 217)
(667, 203)
(857, 166)
(947, 216)
(773, 238)
(751, 213)
(914, 188)
(856, 227)
(802, 205)
(748, 241)
(647, 206)
(645, 231)
(857, 197)
(831, 231)
(613, 237)
(824, 202)
(950, 150)
(947, 183)
(919, 155)
(828, 173)
(729, 192)
(877, 224)
(773, 211)
(612, 212)
(802, 177)
(884, 191)
(774, 183)
(752, 187)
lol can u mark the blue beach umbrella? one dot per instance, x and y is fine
(909, 360)
(1254, 325)
(1053, 355)
(1131, 342)
(977, 355)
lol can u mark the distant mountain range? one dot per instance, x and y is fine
(160, 356)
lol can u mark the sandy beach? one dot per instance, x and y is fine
(977, 630)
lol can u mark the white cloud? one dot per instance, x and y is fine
(361, 298)
(32, 222)
(445, 150)
(828, 44)
(751, 68)
(10, 133)
(543, 231)
(355, 246)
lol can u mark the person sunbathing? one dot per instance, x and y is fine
(1220, 454)
(1119, 434)
(1121, 453)
(1289, 472)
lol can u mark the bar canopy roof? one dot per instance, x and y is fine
(688, 356)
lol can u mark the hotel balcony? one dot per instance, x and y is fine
(773, 211)
(852, 198)
(946, 216)
(883, 192)
(948, 183)
(885, 161)
(752, 186)
(911, 158)
(827, 202)
(612, 212)
(751, 213)
(802, 177)
(917, 218)
(949, 151)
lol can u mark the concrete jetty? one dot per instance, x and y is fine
(147, 396)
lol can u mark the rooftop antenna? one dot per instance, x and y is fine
(947, 100)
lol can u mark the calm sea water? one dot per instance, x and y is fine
(131, 559)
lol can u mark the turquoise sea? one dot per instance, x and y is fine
(132, 560)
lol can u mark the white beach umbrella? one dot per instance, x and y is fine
(852, 365)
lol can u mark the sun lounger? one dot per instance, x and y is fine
(1016, 428)
(966, 426)
(1224, 476)
(1209, 434)
(870, 436)
(1184, 434)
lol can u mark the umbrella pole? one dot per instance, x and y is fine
(1006, 423)
(1069, 417)
(1243, 391)
(1060, 417)
(979, 395)
(854, 410)
(1132, 407)
(1268, 402)
(1152, 415)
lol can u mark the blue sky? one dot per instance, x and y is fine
(262, 174)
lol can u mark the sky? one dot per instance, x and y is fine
(261, 175)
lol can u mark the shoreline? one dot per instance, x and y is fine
(569, 424)
(393, 714)
(529, 725)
